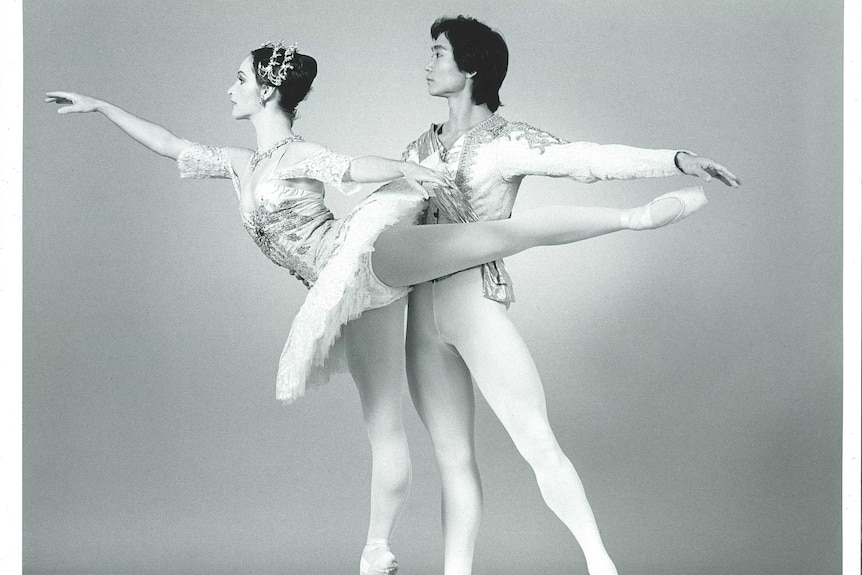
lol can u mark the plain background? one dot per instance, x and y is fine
(693, 374)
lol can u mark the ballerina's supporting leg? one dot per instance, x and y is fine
(375, 344)
(414, 254)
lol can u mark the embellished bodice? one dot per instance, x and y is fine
(291, 225)
(292, 238)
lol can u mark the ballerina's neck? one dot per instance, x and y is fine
(272, 128)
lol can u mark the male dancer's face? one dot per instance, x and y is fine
(442, 73)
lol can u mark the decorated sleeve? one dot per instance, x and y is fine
(528, 151)
(325, 166)
(200, 161)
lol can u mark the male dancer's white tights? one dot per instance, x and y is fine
(454, 331)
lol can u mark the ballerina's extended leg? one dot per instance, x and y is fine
(664, 210)
(411, 255)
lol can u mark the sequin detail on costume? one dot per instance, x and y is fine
(201, 161)
(284, 236)
(325, 166)
(535, 138)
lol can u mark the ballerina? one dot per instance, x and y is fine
(359, 268)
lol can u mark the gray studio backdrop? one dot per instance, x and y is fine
(693, 374)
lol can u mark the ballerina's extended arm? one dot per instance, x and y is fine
(163, 142)
(367, 169)
(153, 136)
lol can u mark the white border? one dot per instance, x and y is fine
(852, 473)
(11, 152)
(11, 186)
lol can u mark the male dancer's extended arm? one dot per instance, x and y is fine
(526, 150)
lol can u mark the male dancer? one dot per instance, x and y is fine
(458, 326)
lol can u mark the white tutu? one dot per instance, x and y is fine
(346, 286)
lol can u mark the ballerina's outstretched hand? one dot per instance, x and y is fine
(74, 102)
(153, 136)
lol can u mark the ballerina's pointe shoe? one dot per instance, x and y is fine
(664, 210)
(377, 559)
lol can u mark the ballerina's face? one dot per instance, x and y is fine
(442, 73)
(245, 92)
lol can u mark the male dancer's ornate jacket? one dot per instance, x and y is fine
(490, 161)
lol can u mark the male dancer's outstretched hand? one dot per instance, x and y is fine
(705, 168)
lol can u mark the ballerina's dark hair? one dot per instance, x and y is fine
(299, 73)
(480, 49)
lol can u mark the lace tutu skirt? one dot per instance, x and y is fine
(346, 286)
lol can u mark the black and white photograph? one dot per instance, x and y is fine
(448, 288)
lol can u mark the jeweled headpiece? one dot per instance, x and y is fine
(275, 72)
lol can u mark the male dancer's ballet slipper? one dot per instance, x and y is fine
(664, 210)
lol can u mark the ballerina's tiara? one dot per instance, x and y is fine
(273, 72)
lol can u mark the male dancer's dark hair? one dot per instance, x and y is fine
(479, 49)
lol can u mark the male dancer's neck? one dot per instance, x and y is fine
(463, 116)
